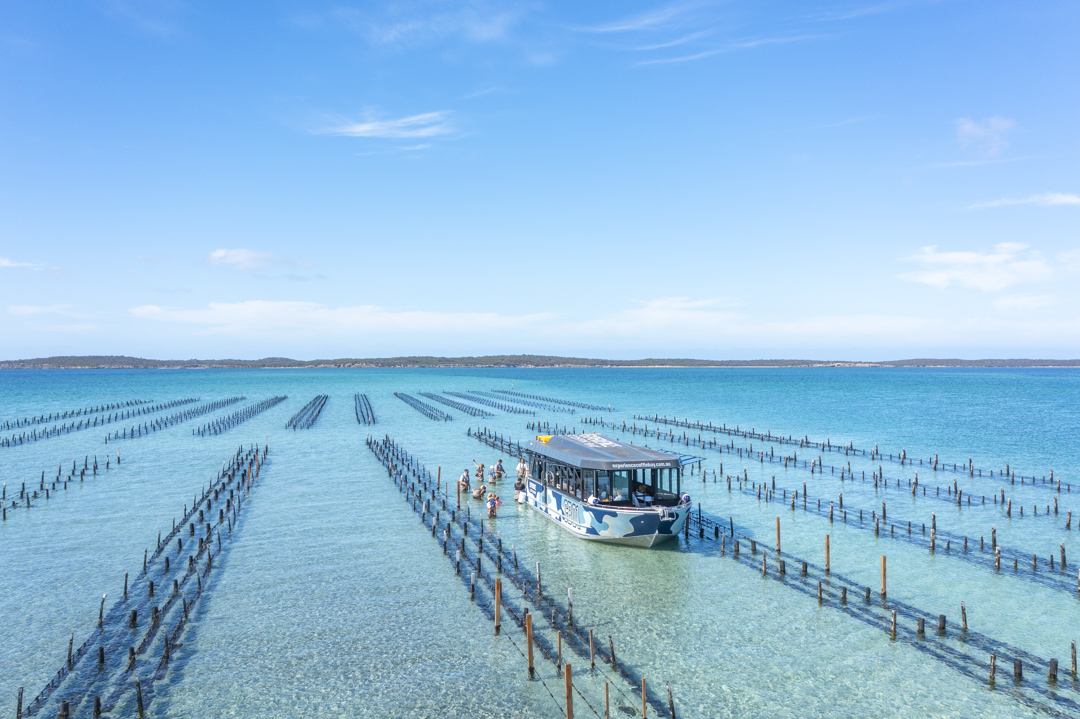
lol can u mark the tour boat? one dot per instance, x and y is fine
(608, 491)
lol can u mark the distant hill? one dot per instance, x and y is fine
(121, 362)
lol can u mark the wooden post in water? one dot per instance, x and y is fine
(498, 603)
(993, 667)
(778, 536)
(644, 703)
(827, 570)
(592, 653)
(567, 676)
(529, 642)
(607, 702)
(882, 576)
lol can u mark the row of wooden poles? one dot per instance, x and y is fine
(85, 423)
(935, 463)
(494, 404)
(308, 414)
(223, 424)
(365, 414)
(424, 408)
(553, 400)
(42, 418)
(496, 441)
(521, 402)
(832, 589)
(25, 494)
(459, 406)
(176, 418)
(428, 497)
(953, 494)
(85, 686)
(1056, 582)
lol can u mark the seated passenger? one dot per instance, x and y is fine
(618, 496)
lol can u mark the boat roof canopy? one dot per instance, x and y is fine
(595, 451)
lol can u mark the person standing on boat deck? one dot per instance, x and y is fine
(522, 469)
(463, 481)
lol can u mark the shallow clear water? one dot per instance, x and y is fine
(333, 599)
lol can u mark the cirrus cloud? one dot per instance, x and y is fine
(426, 124)
(1046, 199)
(1009, 263)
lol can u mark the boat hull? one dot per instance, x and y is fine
(630, 526)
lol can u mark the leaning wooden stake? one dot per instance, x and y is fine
(498, 603)
(644, 703)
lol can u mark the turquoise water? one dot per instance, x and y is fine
(332, 598)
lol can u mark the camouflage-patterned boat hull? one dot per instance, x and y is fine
(624, 525)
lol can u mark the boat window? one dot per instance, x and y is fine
(620, 485)
(667, 484)
(603, 485)
(590, 482)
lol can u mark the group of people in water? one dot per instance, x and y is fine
(495, 473)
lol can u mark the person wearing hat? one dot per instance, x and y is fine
(463, 481)
(492, 504)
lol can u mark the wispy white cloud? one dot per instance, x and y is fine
(416, 22)
(731, 47)
(677, 41)
(257, 263)
(29, 310)
(653, 20)
(678, 324)
(5, 262)
(241, 259)
(988, 137)
(427, 124)
(310, 318)
(1047, 199)
(1009, 263)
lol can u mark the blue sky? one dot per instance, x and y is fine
(848, 180)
